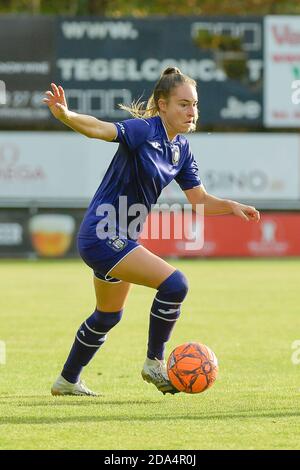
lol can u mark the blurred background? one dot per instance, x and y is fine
(245, 57)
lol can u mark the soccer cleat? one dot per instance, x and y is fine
(155, 372)
(62, 387)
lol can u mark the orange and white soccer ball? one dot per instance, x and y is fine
(192, 367)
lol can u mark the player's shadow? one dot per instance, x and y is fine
(73, 401)
(132, 418)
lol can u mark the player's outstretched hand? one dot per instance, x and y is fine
(56, 101)
(245, 212)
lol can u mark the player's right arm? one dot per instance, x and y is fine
(86, 125)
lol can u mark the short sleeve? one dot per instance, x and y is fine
(132, 132)
(188, 176)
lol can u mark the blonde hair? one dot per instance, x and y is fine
(170, 78)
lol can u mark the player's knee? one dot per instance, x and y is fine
(175, 287)
(182, 285)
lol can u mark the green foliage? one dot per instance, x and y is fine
(140, 8)
(204, 39)
(228, 52)
(235, 67)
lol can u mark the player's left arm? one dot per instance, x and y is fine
(216, 206)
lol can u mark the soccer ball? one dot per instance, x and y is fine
(192, 367)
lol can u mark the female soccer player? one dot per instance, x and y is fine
(151, 153)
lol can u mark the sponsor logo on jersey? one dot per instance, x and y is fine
(121, 127)
(156, 145)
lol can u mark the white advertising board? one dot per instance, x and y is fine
(51, 165)
(282, 71)
(249, 166)
(63, 167)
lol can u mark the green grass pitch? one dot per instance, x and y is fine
(247, 311)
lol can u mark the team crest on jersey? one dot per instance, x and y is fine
(116, 243)
(175, 154)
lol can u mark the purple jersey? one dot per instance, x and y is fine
(146, 162)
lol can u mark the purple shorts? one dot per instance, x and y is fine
(103, 255)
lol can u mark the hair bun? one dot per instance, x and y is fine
(170, 70)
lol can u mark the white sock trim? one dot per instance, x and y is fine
(93, 331)
(92, 345)
(169, 303)
(162, 318)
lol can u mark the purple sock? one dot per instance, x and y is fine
(164, 313)
(89, 338)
